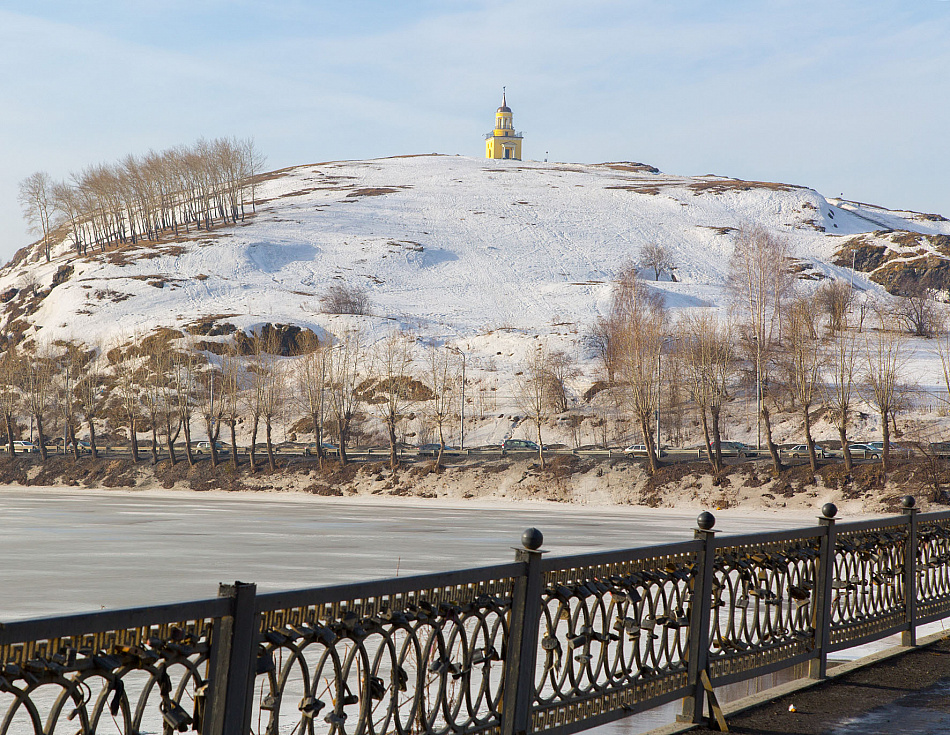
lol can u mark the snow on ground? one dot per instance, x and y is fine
(486, 255)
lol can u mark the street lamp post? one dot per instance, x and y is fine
(459, 352)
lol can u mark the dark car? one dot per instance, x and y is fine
(519, 445)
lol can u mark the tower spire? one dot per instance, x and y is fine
(503, 141)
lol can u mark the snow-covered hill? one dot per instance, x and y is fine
(481, 254)
(451, 246)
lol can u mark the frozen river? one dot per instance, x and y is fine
(68, 550)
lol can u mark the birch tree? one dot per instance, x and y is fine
(840, 389)
(804, 356)
(761, 281)
(709, 359)
(345, 361)
(441, 376)
(533, 392)
(885, 362)
(394, 393)
(37, 199)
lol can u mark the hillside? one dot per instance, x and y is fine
(485, 255)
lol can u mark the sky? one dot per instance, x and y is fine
(849, 97)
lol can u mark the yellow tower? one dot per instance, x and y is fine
(503, 141)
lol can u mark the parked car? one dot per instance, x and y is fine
(737, 449)
(865, 451)
(25, 447)
(205, 448)
(801, 450)
(639, 450)
(83, 446)
(311, 449)
(728, 448)
(519, 445)
(896, 450)
(940, 449)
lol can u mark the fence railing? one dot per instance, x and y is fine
(540, 645)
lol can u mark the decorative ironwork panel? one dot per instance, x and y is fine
(933, 568)
(868, 585)
(423, 661)
(613, 634)
(763, 607)
(132, 680)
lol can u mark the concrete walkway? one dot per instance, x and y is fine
(899, 690)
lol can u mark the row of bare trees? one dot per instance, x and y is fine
(164, 391)
(795, 353)
(144, 197)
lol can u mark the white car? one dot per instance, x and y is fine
(639, 450)
(865, 450)
(26, 447)
(801, 450)
(205, 448)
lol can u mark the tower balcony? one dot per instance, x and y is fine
(508, 134)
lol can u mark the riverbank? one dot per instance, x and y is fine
(564, 480)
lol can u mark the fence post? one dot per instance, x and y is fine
(522, 650)
(821, 614)
(700, 607)
(909, 636)
(232, 664)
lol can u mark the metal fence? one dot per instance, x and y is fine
(540, 645)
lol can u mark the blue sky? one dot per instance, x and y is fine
(847, 97)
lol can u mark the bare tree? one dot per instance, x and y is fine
(839, 392)
(804, 356)
(272, 402)
(561, 370)
(10, 395)
(394, 392)
(37, 380)
(603, 338)
(344, 364)
(532, 392)
(165, 409)
(709, 358)
(66, 376)
(211, 400)
(36, 198)
(657, 258)
(918, 312)
(761, 280)
(343, 299)
(128, 375)
(259, 369)
(440, 378)
(886, 358)
(231, 396)
(92, 393)
(312, 379)
(834, 298)
(641, 319)
(184, 385)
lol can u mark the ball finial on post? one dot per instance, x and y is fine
(908, 502)
(532, 539)
(829, 510)
(705, 521)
